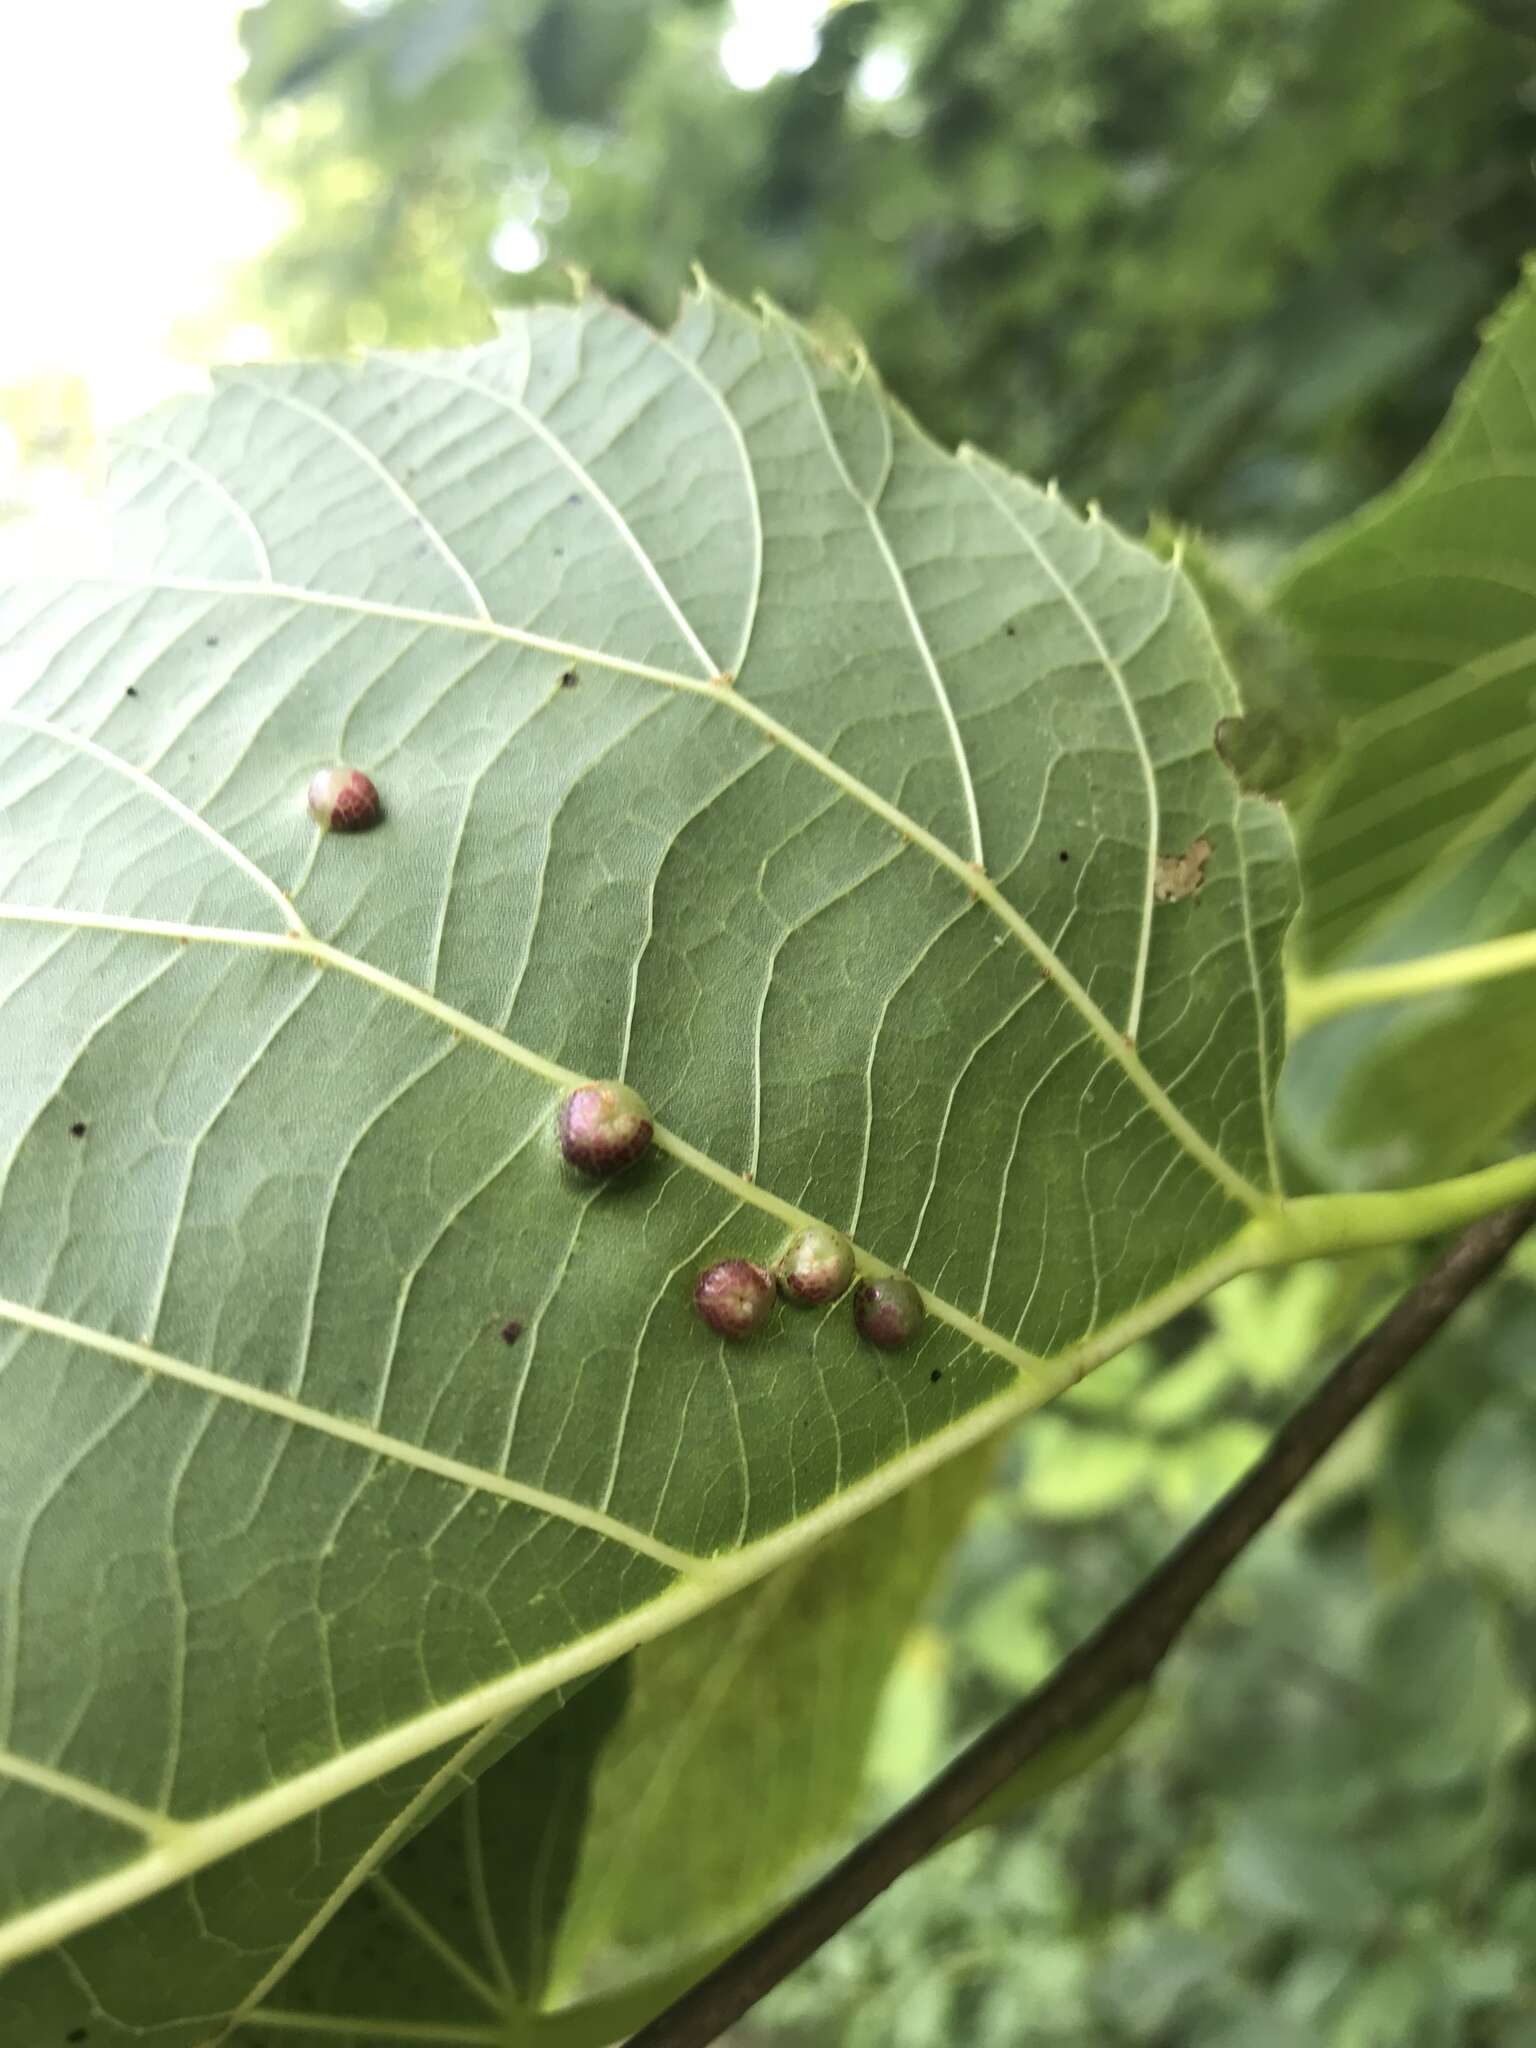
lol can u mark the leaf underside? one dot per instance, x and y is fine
(694, 679)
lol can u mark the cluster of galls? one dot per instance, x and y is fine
(735, 1296)
(604, 1126)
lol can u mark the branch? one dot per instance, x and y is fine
(1123, 1652)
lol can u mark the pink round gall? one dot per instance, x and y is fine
(734, 1297)
(344, 800)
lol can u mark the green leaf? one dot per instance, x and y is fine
(1420, 614)
(462, 1925)
(1428, 1086)
(1447, 1703)
(237, 1929)
(1484, 1498)
(1286, 731)
(694, 680)
(742, 1752)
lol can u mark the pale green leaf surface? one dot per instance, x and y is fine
(174, 1969)
(742, 1751)
(1420, 614)
(279, 1511)
(737, 1753)
(460, 1925)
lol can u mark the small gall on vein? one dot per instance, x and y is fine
(734, 1297)
(343, 800)
(816, 1266)
(603, 1126)
(888, 1312)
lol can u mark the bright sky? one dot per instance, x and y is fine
(126, 205)
(767, 37)
(124, 202)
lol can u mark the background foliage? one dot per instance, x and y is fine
(1221, 256)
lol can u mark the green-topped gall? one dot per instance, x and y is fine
(816, 1266)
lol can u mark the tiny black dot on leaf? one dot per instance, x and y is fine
(569, 680)
(1012, 631)
(130, 691)
(212, 640)
(77, 1130)
(78, 2034)
(1063, 855)
(574, 498)
(936, 1375)
(510, 1332)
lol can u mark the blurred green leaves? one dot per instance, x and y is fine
(1223, 256)
(1318, 1831)
(1420, 615)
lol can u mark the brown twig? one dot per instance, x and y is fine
(1123, 1652)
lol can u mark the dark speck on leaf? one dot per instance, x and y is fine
(510, 1332)
(574, 498)
(1012, 631)
(569, 680)
(936, 1375)
(1063, 856)
(212, 640)
(130, 691)
(77, 1130)
(78, 2034)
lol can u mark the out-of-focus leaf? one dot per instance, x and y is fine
(1420, 615)
(1074, 1472)
(1009, 1633)
(1286, 733)
(1486, 1500)
(1274, 1867)
(1444, 1696)
(741, 1752)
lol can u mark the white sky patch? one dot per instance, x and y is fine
(882, 74)
(517, 247)
(768, 38)
(126, 203)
